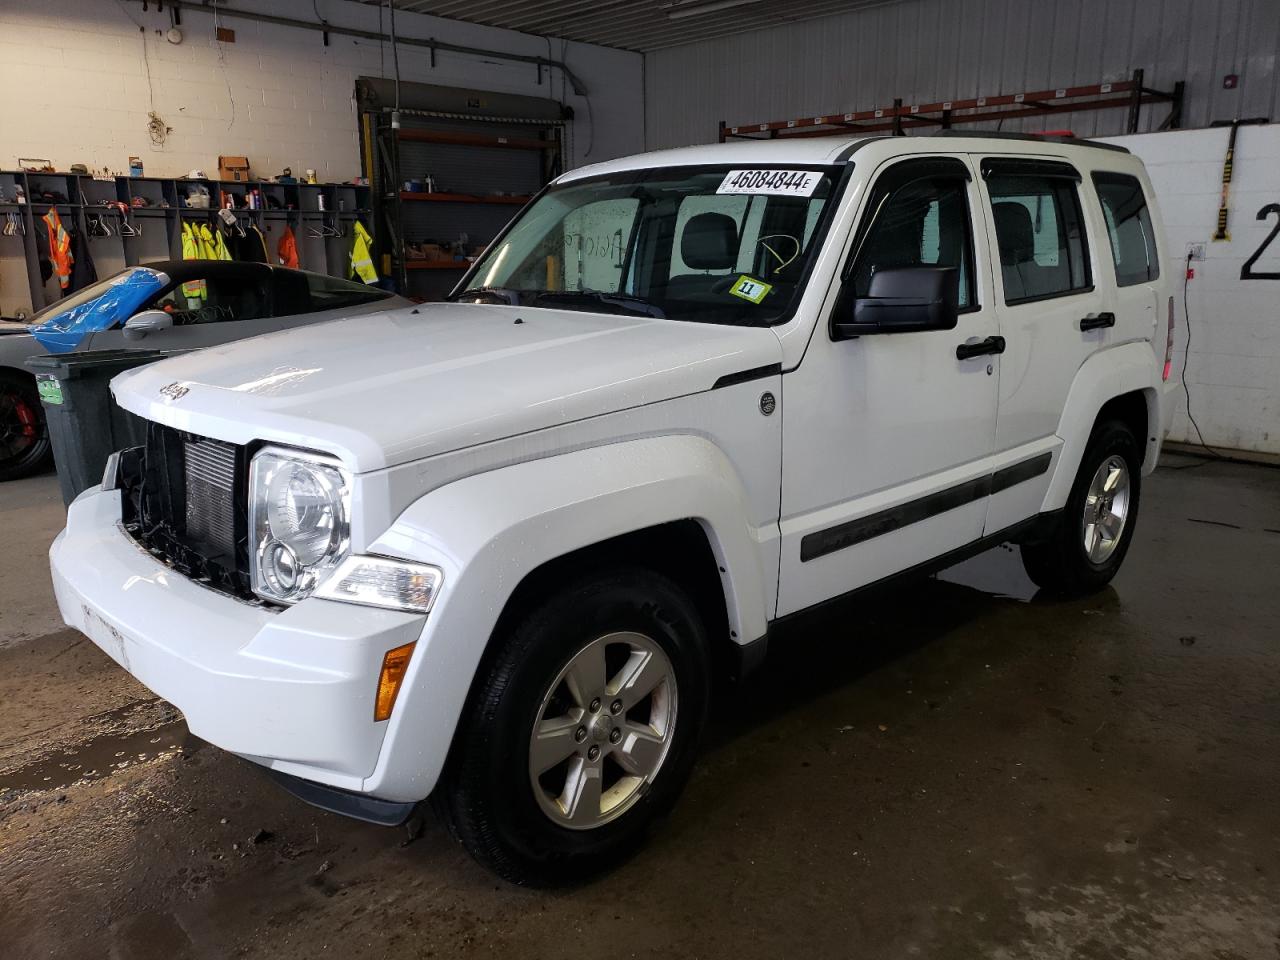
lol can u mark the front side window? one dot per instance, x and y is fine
(1040, 234)
(918, 221)
(222, 299)
(709, 244)
(1133, 240)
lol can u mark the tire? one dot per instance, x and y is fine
(538, 675)
(1062, 564)
(25, 448)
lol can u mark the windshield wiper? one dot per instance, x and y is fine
(503, 295)
(621, 301)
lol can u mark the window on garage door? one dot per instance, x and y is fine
(1039, 229)
(1133, 240)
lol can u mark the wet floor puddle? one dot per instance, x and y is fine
(97, 758)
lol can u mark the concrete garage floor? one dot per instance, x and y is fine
(958, 771)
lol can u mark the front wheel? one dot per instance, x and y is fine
(1093, 533)
(581, 730)
(24, 436)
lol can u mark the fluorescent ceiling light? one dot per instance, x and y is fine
(679, 11)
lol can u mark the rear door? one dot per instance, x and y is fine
(1051, 315)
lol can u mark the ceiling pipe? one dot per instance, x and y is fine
(225, 12)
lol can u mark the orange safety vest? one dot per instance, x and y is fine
(59, 247)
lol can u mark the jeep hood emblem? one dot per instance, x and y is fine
(174, 391)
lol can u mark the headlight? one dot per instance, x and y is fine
(300, 522)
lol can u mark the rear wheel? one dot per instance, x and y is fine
(1093, 533)
(24, 437)
(582, 729)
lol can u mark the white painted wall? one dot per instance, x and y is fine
(1234, 369)
(75, 89)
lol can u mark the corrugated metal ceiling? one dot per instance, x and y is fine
(641, 25)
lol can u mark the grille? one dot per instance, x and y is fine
(185, 501)
(211, 476)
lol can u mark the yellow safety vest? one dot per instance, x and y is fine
(192, 289)
(361, 260)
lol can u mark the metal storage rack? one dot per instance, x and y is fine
(487, 154)
(328, 208)
(897, 119)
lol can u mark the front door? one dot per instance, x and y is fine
(235, 304)
(887, 437)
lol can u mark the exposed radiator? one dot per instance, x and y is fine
(210, 495)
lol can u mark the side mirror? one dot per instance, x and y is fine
(148, 321)
(902, 300)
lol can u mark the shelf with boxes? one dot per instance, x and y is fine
(130, 220)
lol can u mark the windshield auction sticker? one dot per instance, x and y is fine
(783, 183)
(749, 288)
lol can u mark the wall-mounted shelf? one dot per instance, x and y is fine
(944, 114)
(296, 206)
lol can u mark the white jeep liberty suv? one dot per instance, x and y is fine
(488, 551)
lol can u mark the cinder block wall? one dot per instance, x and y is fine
(1234, 369)
(74, 76)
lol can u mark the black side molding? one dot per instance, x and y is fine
(822, 542)
(744, 376)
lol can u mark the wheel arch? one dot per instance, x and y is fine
(1119, 383)
(506, 537)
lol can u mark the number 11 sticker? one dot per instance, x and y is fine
(749, 289)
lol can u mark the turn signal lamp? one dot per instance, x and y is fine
(394, 665)
(1168, 344)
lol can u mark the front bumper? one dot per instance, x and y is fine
(290, 689)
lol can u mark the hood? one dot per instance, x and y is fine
(388, 388)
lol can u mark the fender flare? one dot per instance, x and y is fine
(489, 531)
(1105, 375)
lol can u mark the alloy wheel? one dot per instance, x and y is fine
(603, 730)
(1106, 509)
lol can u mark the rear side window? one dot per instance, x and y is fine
(1040, 233)
(1133, 241)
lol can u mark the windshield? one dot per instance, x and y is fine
(711, 244)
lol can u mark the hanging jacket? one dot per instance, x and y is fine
(192, 289)
(59, 248)
(83, 272)
(361, 259)
(211, 243)
(287, 249)
(251, 248)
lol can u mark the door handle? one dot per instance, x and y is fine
(1104, 319)
(967, 351)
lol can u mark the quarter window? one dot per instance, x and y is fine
(1133, 241)
(923, 222)
(1040, 233)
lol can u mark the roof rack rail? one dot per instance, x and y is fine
(1034, 137)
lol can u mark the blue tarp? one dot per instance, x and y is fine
(115, 301)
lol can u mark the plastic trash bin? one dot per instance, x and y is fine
(85, 424)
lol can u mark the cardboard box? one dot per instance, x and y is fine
(233, 168)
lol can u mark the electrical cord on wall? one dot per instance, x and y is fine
(1186, 360)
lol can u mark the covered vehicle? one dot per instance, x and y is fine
(166, 305)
